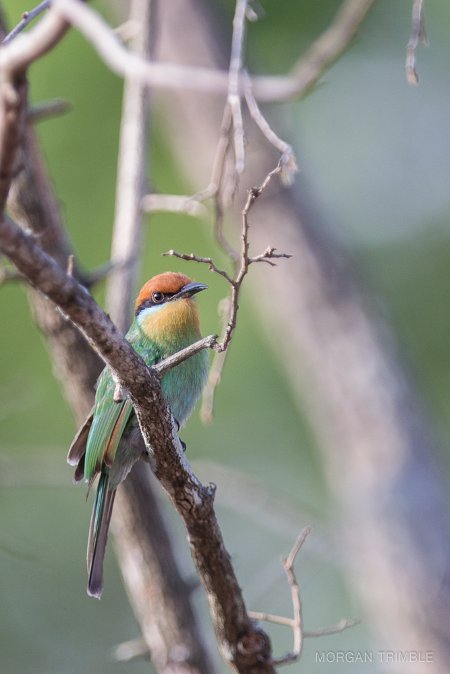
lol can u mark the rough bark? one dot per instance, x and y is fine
(171, 632)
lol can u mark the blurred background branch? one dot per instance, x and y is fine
(378, 449)
(171, 633)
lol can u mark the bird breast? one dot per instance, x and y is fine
(170, 321)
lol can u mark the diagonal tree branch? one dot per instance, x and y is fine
(246, 646)
(160, 596)
(242, 643)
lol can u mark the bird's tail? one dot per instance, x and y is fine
(98, 534)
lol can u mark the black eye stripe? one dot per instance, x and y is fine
(146, 304)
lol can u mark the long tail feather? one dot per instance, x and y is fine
(98, 535)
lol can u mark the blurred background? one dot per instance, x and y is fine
(375, 155)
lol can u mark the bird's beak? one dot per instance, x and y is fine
(189, 290)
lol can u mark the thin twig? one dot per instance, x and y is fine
(219, 158)
(418, 36)
(131, 177)
(241, 266)
(27, 18)
(221, 186)
(272, 618)
(290, 167)
(340, 626)
(192, 257)
(234, 72)
(168, 363)
(128, 651)
(173, 203)
(47, 110)
(328, 47)
(297, 627)
(215, 371)
(246, 260)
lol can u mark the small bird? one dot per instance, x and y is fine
(110, 442)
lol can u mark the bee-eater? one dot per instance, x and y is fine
(109, 443)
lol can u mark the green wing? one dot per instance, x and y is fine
(110, 418)
(108, 424)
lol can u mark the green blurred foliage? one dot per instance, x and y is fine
(375, 154)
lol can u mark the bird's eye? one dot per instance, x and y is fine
(157, 297)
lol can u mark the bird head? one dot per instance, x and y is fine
(165, 305)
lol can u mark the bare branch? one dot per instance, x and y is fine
(215, 371)
(134, 649)
(246, 260)
(244, 643)
(418, 36)
(303, 76)
(174, 203)
(27, 18)
(272, 618)
(297, 627)
(168, 363)
(192, 257)
(241, 265)
(319, 57)
(268, 255)
(131, 66)
(131, 178)
(234, 96)
(342, 625)
(47, 110)
(296, 623)
(214, 379)
(287, 153)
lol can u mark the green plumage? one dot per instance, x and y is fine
(110, 441)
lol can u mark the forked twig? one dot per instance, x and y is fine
(296, 622)
(242, 265)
